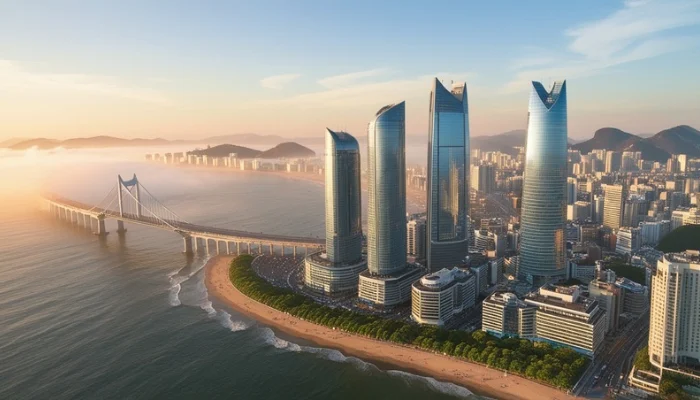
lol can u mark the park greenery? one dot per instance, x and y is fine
(671, 385)
(560, 367)
(686, 237)
(630, 272)
(641, 359)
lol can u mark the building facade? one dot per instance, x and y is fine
(543, 215)
(614, 206)
(448, 175)
(416, 238)
(674, 325)
(438, 296)
(336, 270)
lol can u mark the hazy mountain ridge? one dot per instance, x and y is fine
(681, 139)
(282, 150)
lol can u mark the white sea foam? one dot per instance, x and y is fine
(269, 337)
(438, 386)
(174, 296)
(234, 326)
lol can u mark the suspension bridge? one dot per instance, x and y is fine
(130, 201)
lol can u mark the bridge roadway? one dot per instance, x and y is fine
(196, 237)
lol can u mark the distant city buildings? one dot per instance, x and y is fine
(543, 215)
(448, 174)
(416, 237)
(614, 206)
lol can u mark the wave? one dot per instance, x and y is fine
(451, 389)
(174, 296)
(442, 387)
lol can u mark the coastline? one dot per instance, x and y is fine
(478, 379)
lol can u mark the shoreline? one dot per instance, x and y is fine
(480, 380)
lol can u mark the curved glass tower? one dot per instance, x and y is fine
(448, 188)
(343, 202)
(543, 216)
(386, 189)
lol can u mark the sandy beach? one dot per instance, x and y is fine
(479, 379)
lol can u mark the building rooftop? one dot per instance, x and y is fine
(688, 256)
(442, 279)
(629, 285)
(321, 258)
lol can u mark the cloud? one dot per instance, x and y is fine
(278, 82)
(347, 92)
(345, 80)
(13, 75)
(641, 29)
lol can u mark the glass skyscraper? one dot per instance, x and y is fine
(386, 190)
(343, 201)
(448, 166)
(543, 216)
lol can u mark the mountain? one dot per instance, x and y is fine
(10, 142)
(40, 143)
(604, 138)
(247, 138)
(223, 150)
(89, 142)
(504, 142)
(288, 150)
(681, 139)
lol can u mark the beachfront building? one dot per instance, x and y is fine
(674, 325)
(505, 315)
(543, 215)
(438, 296)
(448, 174)
(388, 278)
(564, 317)
(336, 270)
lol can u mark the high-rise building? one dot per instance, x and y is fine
(629, 240)
(337, 269)
(571, 190)
(543, 216)
(609, 298)
(613, 161)
(483, 177)
(388, 278)
(416, 238)
(674, 322)
(448, 174)
(614, 206)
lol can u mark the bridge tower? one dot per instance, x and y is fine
(122, 184)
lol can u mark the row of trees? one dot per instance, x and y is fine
(560, 367)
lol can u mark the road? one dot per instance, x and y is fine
(615, 359)
(502, 203)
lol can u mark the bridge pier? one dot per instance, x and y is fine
(238, 248)
(272, 249)
(120, 227)
(101, 230)
(294, 251)
(187, 239)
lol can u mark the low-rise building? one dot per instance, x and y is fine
(389, 290)
(329, 278)
(504, 315)
(437, 297)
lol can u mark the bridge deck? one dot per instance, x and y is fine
(186, 227)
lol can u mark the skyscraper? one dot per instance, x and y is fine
(386, 191)
(674, 330)
(343, 203)
(613, 206)
(448, 174)
(338, 268)
(388, 278)
(543, 217)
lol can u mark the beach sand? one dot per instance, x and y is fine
(479, 379)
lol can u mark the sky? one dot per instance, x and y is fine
(192, 69)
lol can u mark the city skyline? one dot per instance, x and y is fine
(190, 72)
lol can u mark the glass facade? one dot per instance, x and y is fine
(386, 179)
(448, 188)
(343, 201)
(543, 216)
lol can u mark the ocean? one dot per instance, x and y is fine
(84, 317)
